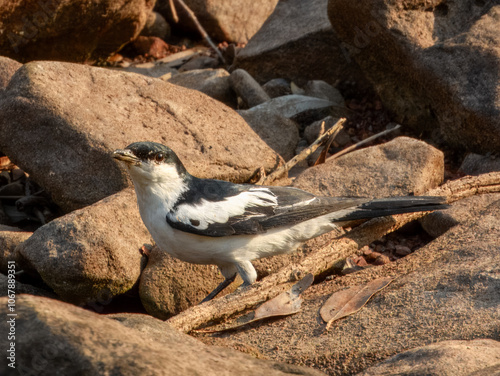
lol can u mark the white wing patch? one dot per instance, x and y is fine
(200, 216)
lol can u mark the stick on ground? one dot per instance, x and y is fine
(324, 258)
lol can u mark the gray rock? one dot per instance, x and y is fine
(156, 26)
(300, 108)
(279, 133)
(247, 88)
(10, 238)
(297, 43)
(447, 290)
(440, 221)
(68, 30)
(7, 69)
(420, 58)
(91, 254)
(213, 82)
(399, 167)
(230, 21)
(322, 89)
(169, 286)
(277, 87)
(447, 358)
(475, 164)
(55, 338)
(76, 115)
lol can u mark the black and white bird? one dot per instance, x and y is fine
(207, 221)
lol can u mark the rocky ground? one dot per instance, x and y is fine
(92, 289)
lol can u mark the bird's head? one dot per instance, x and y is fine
(150, 162)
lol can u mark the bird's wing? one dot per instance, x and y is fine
(216, 208)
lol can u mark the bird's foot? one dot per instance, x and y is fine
(219, 288)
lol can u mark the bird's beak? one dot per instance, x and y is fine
(126, 155)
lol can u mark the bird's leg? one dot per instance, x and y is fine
(226, 282)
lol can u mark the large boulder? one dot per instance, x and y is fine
(480, 357)
(298, 43)
(396, 168)
(69, 30)
(7, 69)
(230, 21)
(91, 254)
(446, 290)
(60, 122)
(434, 64)
(55, 338)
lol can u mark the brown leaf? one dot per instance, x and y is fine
(285, 304)
(346, 302)
(6, 164)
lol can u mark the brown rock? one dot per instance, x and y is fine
(440, 221)
(10, 238)
(91, 254)
(213, 82)
(396, 168)
(447, 290)
(169, 286)
(69, 30)
(7, 69)
(298, 43)
(434, 64)
(55, 338)
(230, 21)
(76, 115)
(447, 358)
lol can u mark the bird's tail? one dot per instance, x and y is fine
(393, 205)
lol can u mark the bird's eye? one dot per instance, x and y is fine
(159, 157)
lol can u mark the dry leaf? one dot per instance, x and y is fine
(346, 302)
(285, 304)
(6, 164)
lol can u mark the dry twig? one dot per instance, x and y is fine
(361, 143)
(202, 31)
(324, 258)
(331, 133)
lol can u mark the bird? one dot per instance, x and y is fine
(209, 221)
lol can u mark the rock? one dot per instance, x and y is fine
(247, 88)
(297, 107)
(150, 69)
(446, 290)
(323, 90)
(7, 69)
(440, 221)
(55, 338)
(169, 286)
(151, 46)
(396, 168)
(91, 254)
(279, 133)
(420, 58)
(213, 82)
(68, 30)
(22, 288)
(199, 62)
(297, 43)
(10, 238)
(446, 358)
(156, 26)
(76, 115)
(475, 164)
(277, 87)
(231, 21)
